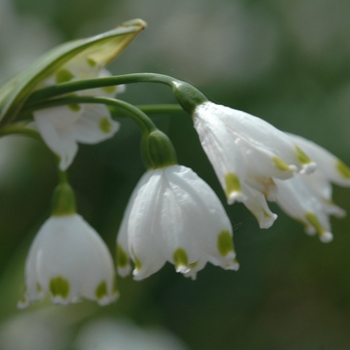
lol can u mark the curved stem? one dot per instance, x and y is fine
(187, 95)
(79, 85)
(160, 109)
(17, 129)
(142, 120)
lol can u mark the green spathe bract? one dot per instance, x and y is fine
(102, 48)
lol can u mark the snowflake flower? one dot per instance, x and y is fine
(62, 127)
(69, 260)
(247, 154)
(173, 215)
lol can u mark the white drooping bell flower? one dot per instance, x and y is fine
(63, 127)
(247, 153)
(308, 198)
(68, 259)
(174, 216)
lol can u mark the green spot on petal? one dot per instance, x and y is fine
(38, 288)
(59, 287)
(74, 107)
(313, 220)
(64, 76)
(122, 257)
(180, 257)
(280, 164)
(303, 158)
(225, 244)
(101, 290)
(193, 265)
(105, 125)
(138, 264)
(266, 215)
(343, 169)
(232, 184)
(91, 62)
(109, 89)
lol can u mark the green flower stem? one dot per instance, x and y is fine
(142, 120)
(187, 95)
(157, 149)
(63, 199)
(160, 109)
(19, 130)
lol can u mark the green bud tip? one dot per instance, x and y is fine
(63, 200)
(160, 150)
(188, 96)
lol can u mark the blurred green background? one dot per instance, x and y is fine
(282, 60)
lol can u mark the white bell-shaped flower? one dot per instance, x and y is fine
(247, 153)
(63, 127)
(308, 197)
(246, 147)
(173, 215)
(69, 260)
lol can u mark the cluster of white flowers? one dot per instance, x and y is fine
(173, 215)
(256, 162)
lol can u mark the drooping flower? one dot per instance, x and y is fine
(308, 198)
(247, 154)
(63, 126)
(174, 216)
(68, 259)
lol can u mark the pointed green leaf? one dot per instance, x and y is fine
(102, 48)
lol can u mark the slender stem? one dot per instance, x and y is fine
(17, 129)
(62, 176)
(79, 85)
(160, 109)
(142, 120)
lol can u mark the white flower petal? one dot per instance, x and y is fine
(257, 204)
(69, 260)
(331, 168)
(76, 123)
(95, 125)
(142, 223)
(59, 140)
(222, 152)
(298, 201)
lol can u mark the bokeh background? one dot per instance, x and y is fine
(282, 60)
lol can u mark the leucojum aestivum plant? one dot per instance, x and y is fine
(65, 98)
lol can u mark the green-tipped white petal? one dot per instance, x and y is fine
(62, 127)
(331, 168)
(174, 216)
(69, 261)
(297, 199)
(258, 206)
(95, 125)
(219, 145)
(266, 150)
